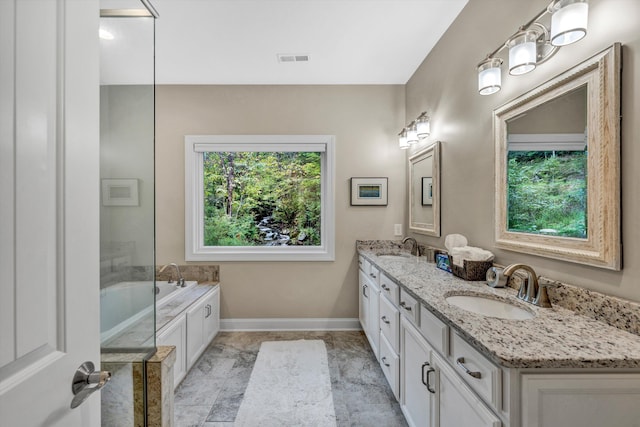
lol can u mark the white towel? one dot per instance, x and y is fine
(454, 241)
(470, 253)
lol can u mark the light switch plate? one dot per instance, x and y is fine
(397, 229)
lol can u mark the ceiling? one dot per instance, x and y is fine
(237, 41)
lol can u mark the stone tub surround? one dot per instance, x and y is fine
(554, 338)
(201, 273)
(164, 314)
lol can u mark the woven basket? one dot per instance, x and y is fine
(471, 270)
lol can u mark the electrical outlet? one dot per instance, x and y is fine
(397, 229)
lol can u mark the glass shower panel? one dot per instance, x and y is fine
(127, 175)
(127, 215)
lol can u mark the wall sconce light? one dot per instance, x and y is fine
(423, 125)
(402, 140)
(415, 131)
(534, 44)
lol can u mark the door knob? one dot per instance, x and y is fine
(86, 380)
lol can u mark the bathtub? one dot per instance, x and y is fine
(127, 303)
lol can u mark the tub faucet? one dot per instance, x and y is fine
(180, 281)
(530, 290)
(414, 245)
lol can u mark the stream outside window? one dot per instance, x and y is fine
(259, 197)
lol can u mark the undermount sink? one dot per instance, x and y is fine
(487, 306)
(394, 256)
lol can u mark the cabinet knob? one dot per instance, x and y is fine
(384, 319)
(385, 287)
(405, 306)
(384, 362)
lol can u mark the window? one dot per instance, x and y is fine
(259, 198)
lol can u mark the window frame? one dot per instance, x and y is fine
(196, 145)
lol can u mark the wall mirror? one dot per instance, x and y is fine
(558, 166)
(424, 191)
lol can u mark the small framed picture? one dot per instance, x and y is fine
(369, 191)
(120, 192)
(427, 191)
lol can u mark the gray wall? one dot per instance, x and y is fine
(364, 120)
(446, 85)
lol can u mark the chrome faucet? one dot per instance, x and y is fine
(180, 281)
(530, 290)
(414, 245)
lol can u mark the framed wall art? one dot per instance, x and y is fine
(369, 191)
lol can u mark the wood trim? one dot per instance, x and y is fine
(603, 246)
(290, 324)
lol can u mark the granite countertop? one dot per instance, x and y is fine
(555, 338)
(167, 312)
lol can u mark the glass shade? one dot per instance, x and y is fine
(412, 133)
(402, 140)
(568, 21)
(489, 76)
(522, 52)
(423, 127)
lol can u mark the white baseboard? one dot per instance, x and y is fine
(302, 324)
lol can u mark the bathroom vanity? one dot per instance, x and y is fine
(449, 366)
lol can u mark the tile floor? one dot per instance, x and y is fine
(212, 391)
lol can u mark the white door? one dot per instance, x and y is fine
(49, 194)
(416, 376)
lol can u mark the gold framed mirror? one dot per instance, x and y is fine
(557, 166)
(424, 191)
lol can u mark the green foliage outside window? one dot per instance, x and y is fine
(547, 192)
(262, 198)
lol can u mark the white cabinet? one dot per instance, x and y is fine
(455, 403)
(578, 400)
(363, 308)
(201, 325)
(369, 304)
(417, 380)
(175, 333)
(212, 316)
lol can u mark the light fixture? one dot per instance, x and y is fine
(522, 52)
(534, 44)
(568, 21)
(489, 76)
(415, 131)
(423, 125)
(402, 140)
(412, 133)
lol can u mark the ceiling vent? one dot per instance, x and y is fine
(293, 58)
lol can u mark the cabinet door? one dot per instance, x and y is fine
(456, 405)
(373, 324)
(175, 334)
(577, 400)
(211, 316)
(416, 374)
(364, 301)
(195, 331)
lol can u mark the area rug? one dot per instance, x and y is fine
(289, 386)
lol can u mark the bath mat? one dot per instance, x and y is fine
(289, 386)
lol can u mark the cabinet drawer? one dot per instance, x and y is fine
(389, 323)
(365, 265)
(409, 307)
(476, 370)
(389, 289)
(434, 330)
(390, 363)
(374, 274)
